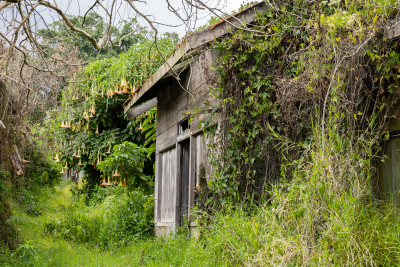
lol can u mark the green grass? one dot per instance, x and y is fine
(325, 216)
(49, 251)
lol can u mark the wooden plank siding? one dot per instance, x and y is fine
(389, 171)
(174, 99)
(168, 185)
(175, 185)
(202, 155)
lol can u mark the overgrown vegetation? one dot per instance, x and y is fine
(120, 218)
(307, 97)
(90, 121)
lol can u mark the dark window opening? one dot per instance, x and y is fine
(183, 126)
(184, 180)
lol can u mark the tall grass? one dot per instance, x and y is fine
(327, 215)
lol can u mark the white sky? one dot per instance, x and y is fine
(159, 9)
(156, 8)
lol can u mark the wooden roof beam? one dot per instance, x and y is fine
(141, 109)
(392, 32)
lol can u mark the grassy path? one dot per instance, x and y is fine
(44, 250)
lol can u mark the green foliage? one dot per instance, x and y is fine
(307, 222)
(126, 162)
(41, 170)
(292, 100)
(91, 114)
(297, 104)
(32, 197)
(215, 19)
(149, 127)
(27, 253)
(284, 75)
(118, 218)
(87, 53)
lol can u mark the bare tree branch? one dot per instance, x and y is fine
(96, 44)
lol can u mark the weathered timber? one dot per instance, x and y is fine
(178, 180)
(166, 143)
(392, 32)
(174, 99)
(158, 187)
(17, 161)
(141, 109)
(177, 55)
(168, 181)
(195, 112)
(184, 181)
(179, 155)
(169, 134)
(190, 55)
(182, 64)
(178, 68)
(193, 79)
(172, 120)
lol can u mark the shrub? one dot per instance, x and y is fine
(133, 219)
(121, 217)
(77, 227)
(41, 170)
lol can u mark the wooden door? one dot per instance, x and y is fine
(168, 185)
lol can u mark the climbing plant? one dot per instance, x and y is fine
(302, 64)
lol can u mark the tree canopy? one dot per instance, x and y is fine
(128, 33)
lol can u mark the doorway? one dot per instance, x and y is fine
(184, 181)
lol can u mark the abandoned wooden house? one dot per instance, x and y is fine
(181, 148)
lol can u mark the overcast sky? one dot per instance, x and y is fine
(157, 8)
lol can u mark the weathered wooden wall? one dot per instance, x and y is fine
(389, 171)
(169, 147)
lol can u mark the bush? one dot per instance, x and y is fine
(77, 227)
(121, 217)
(41, 170)
(92, 194)
(134, 218)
